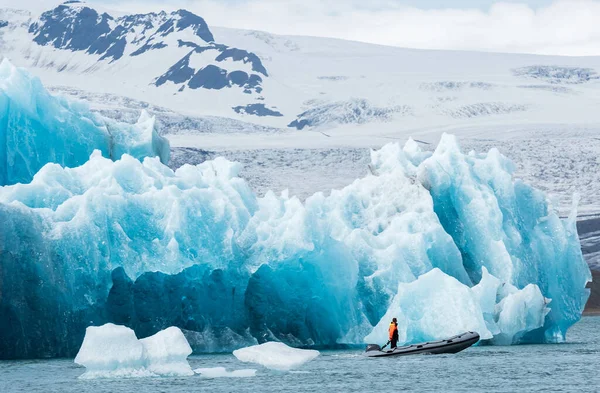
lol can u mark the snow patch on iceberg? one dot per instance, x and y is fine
(276, 355)
(38, 128)
(113, 351)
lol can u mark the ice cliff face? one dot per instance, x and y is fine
(445, 241)
(37, 128)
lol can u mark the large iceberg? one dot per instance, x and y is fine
(113, 351)
(443, 240)
(37, 128)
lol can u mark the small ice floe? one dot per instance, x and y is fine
(221, 372)
(113, 351)
(275, 355)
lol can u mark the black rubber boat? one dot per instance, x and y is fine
(450, 345)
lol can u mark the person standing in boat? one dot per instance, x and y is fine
(394, 333)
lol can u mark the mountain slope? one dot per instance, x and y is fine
(175, 60)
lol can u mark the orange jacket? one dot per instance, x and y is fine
(393, 329)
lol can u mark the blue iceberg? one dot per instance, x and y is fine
(38, 128)
(444, 241)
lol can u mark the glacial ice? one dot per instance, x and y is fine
(166, 353)
(38, 128)
(443, 240)
(437, 305)
(221, 372)
(113, 351)
(275, 355)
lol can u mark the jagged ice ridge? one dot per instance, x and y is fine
(445, 241)
(37, 128)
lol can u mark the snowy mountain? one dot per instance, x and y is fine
(301, 112)
(175, 60)
(76, 27)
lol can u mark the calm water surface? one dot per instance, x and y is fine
(570, 367)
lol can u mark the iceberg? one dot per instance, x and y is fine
(113, 351)
(131, 242)
(221, 372)
(38, 128)
(509, 228)
(437, 305)
(166, 353)
(275, 355)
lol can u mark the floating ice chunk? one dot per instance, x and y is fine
(113, 351)
(221, 372)
(275, 355)
(167, 352)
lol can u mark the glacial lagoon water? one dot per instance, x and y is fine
(569, 367)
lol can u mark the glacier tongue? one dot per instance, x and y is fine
(38, 128)
(132, 242)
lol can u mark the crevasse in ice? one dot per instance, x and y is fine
(444, 241)
(37, 127)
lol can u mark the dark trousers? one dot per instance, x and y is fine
(394, 341)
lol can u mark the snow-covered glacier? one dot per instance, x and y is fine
(37, 128)
(443, 240)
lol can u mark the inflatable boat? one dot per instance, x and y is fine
(450, 345)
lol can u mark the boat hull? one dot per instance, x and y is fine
(453, 344)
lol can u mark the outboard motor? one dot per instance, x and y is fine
(373, 347)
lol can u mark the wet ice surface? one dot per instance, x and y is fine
(559, 367)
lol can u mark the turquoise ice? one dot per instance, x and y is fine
(443, 240)
(37, 127)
